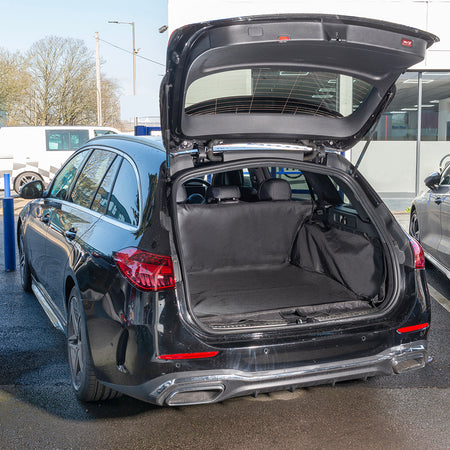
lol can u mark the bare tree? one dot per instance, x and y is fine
(14, 84)
(62, 72)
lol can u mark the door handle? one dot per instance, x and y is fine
(71, 234)
(438, 200)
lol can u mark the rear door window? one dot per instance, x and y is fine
(101, 199)
(63, 180)
(91, 176)
(124, 202)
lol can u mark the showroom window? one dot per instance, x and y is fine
(400, 121)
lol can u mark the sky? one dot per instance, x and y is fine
(23, 22)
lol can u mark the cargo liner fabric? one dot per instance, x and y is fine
(249, 257)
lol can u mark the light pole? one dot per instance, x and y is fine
(99, 87)
(135, 52)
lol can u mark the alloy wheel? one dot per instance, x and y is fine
(75, 344)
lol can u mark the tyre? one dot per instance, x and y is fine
(25, 274)
(25, 178)
(414, 226)
(84, 381)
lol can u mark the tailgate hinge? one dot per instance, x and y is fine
(206, 152)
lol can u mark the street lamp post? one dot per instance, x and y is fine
(135, 52)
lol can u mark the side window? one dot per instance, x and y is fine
(104, 191)
(91, 177)
(57, 140)
(296, 179)
(343, 192)
(64, 178)
(78, 138)
(124, 202)
(445, 180)
(247, 179)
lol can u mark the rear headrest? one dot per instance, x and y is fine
(231, 178)
(181, 194)
(223, 193)
(275, 189)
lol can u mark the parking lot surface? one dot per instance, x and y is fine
(39, 410)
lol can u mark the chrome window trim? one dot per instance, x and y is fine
(105, 217)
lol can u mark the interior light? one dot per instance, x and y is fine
(409, 109)
(321, 96)
(434, 101)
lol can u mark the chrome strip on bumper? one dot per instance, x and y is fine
(229, 383)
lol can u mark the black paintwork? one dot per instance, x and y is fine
(70, 246)
(129, 328)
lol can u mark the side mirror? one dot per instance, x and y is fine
(432, 181)
(31, 190)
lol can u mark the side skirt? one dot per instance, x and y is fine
(437, 264)
(48, 306)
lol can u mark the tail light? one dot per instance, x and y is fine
(419, 257)
(188, 355)
(145, 270)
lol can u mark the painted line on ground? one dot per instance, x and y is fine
(439, 297)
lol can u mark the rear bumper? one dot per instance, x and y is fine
(210, 386)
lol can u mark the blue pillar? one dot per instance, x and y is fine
(8, 227)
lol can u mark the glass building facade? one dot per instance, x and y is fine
(411, 138)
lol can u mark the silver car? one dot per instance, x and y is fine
(430, 218)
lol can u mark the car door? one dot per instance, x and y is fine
(36, 234)
(429, 216)
(444, 196)
(70, 219)
(39, 218)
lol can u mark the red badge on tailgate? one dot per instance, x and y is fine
(407, 42)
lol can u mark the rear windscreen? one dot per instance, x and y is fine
(275, 91)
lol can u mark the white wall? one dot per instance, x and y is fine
(432, 15)
(390, 166)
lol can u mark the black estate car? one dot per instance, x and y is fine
(245, 254)
(430, 218)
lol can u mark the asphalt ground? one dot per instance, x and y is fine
(38, 408)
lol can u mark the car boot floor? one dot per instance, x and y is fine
(249, 290)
